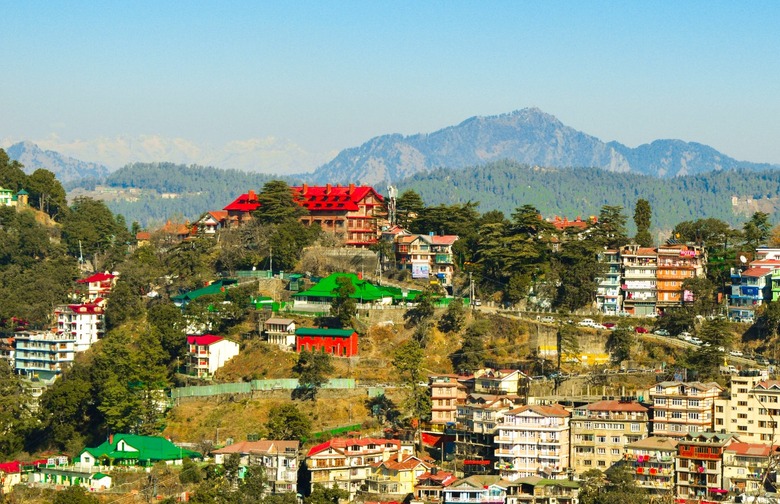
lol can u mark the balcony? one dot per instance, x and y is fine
(443, 259)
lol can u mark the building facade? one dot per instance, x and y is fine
(639, 286)
(84, 322)
(43, 354)
(207, 353)
(683, 407)
(676, 264)
(336, 342)
(699, 466)
(609, 298)
(652, 461)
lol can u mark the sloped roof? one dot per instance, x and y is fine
(329, 197)
(328, 288)
(756, 272)
(213, 288)
(341, 444)
(280, 321)
(615, 406)
(481, 481)
(408, 463)
(97, 277)
(149, 448)
(553, 410)
(750, 449)
(247, 202)
(264, 446)
(204, 340)
(654, 443)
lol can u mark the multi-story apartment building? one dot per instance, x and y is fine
(751, 409)
(600, 431)
(652, 460)
(278, 458)
(477, 489)
(749, 290)
(533, 440)
(43, 354)
(699, 466)
(608, 296)
(497, 381)
(445, 392)
(639, 279)
(477, 419)
(347, 463)
(745, 465)
(683, 407)
(396, 476)
(426, 256)
(677, 263)
(85, 322)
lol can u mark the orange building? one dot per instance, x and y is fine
(677, 263)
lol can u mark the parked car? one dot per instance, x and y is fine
(685, 336)
(651, 315)
(548, 320)
(640, 330)
(598, 326)
(610, 325)
(696, 341)
(661, 332)
(736, 353)
(587, 322)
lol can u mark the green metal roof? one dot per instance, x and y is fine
(214, 288)
(314, 331)
(364, 290)
(149, 448)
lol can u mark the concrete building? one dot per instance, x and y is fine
(745, 465)
(600, 431)
(699, 466)
(280, 331)
(677, 263)
(652, 461)
(609, 298)
(43, 354)
(533, 440)
(207, 353)
(477, 419)
(445, 391)
(639, 279)
(86, 322)
(278, 458)
(683, 407)
(751, 409)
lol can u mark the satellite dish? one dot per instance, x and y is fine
(742, 259)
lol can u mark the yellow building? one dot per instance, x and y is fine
(752, 409)
(397, 476)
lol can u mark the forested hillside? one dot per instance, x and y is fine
(167, 190)
(506, 185)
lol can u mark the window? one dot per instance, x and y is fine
(635, 427)
(616, 439)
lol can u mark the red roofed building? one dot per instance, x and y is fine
(744, 466)
(397, 475)
(337, 342)
(98, 285)
(599, 432)
(207, 353)
(430, 485)
(750, 289)
(350, 211)
(10, 475)
(577, 224)
(85, 322)
(347, 463)
(211, 221)
(676, 264)
(425, 256)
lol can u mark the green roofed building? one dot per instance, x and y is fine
(326, 290)
(217, 287)
(132, 450)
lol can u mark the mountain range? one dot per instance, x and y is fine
(527, 136)
(64, 168)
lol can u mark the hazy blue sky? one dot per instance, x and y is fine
(329, 75)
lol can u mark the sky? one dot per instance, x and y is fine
(283, 86)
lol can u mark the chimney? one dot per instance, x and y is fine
(304, 188)
(351, 189)
(111, 439)
(328, 187)
(400, 456)
(251, 196)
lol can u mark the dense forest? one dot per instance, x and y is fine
(571, 192)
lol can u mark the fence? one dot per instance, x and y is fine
(254, 385)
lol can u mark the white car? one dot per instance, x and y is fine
(587, 322)
(696, 341)
(548, 320)
(736, 353)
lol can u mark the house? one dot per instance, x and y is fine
(352, 212)
(337, 342)
(10, 476)
(533, 440)
(699, 465)
(426, 256)
(652, 461)
(497, 381)
(347, 463)
(600, 430)
(477, 489)
(609, 299)
(133, 450)
(280, 332)
(98, 285)
(279, 458)
(7, 350)
(218, 287)
(683, 407)
(86, 322)
(207, 353)
(745, 466)
(397, 475)
(445, 392)
(210, 222)
(325, 291)
(749, 290)
(537, 490)
(430, 485)
(43, 354)
(143, 238)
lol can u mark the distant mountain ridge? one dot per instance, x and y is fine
(527, 136)
(64, 168)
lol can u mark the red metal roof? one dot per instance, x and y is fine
(314, 198)
(340, 444)
(97, 277)
(205, 340)
(245, 203)
(756, 272)
(11, 467)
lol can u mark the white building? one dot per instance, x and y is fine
(208, 353)
(280, 332)
(533, 440)
(85, 322)
(278, 458)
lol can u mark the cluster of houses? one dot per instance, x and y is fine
(698, 442)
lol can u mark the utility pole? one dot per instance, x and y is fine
(271, 265)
